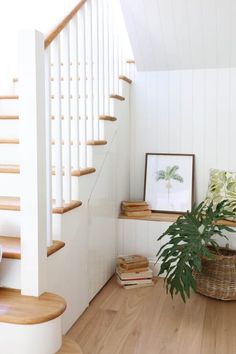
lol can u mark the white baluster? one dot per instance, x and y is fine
(117, 61)
(58, 125)
(106, 58)
(101, 65)
(48, 140)
(75, 102)
(67, 113)
(111, 47)
(82, 87)
(95, 38)
(89, 71)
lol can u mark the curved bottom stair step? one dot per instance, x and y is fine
(11, 248)
(30, 324)
(20, 309)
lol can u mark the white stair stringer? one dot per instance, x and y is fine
(99, 152)
(109, 188)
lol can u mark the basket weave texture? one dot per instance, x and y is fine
(218, 276)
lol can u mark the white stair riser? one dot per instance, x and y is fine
(9, 128)
(10, 154)
(10, 182)
(10, 223)
(43, 338)
(10, 273)
(9, 107)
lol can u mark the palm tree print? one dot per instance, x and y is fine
(167, 175)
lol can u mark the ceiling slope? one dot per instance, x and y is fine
(181, 34)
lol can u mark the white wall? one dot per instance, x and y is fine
(181, 34)
(190, 111)
(25, 14)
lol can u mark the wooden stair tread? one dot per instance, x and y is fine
(107, 118)
(130, 61)
(125, 78)
(96, 142)
(9, 141)
(78, 173)
(170, 217)
(16, 117)
(19, 309)
(83, 171)
(8, 117)
(13, 204)
(117, 97)
(12, 249)
(9, 97)
(10, 168)
(17, 141)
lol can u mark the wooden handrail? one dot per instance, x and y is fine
(53, 34)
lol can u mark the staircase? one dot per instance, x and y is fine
(63, 153)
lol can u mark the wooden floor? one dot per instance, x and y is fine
(147, 321)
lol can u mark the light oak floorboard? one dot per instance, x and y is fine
(70, 347)
(147, 321)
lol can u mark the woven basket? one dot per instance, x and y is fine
(218, 276)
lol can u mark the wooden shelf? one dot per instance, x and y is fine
(169, 217)
(166, 217)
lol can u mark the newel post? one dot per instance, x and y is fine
(32, 162)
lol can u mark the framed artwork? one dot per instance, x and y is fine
(168, 183)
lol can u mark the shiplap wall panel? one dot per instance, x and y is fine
(210, 114)
(198, 125)
(140, 237)
(223, 106)
(162, 123)
(189, 111)
(174, 112)
(232, 120)
(186, 104)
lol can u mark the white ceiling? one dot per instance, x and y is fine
(181, 34)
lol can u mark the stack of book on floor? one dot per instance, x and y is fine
(133, 272)
(138, 208)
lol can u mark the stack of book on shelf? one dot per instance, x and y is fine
(133, 272)
(138, 208)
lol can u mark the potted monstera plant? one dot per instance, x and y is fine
(192, 258)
